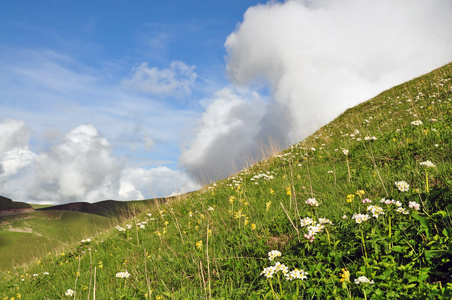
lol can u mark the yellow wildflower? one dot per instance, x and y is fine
(289, 191)
(253, 226)
(360, 193)
(345, 275)
(199, 245)
(239, 214)
(268, 205)
(350, 198)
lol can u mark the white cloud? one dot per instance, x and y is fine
(154, 182)
(148, 142)
(79, 168)
(13, 134)
(317, 58)
(224, 135)
(14, 151)
(176, 80)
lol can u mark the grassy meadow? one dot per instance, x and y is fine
(361, 209)
(32, 235)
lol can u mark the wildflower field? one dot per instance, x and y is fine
(361, 209)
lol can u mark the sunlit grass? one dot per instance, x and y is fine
(355, 208)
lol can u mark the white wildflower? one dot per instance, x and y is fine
(403, 186)
(363, 279)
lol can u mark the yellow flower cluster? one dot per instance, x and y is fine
(345, 275)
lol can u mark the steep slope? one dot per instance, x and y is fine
(359, 210)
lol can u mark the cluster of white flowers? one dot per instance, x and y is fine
(120, 229)
(389, 202)
(268, 272)
(363, 279)
(414, 205)
(402, 210)
(278, 267)
(313, 227)
(368, 138)
(312, 202)
(403, 186)
(306, 221)
(297, 274)
(359, 218)
(87, 241)
(325, 221)
(265, 176)
(345, 151)
(428, 164)
(142, 225)
(123, 274)
(417, 123)
(273, 254)
(375, 210)
(70, 293)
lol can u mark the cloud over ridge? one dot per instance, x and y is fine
(80, 168)
(317, 58)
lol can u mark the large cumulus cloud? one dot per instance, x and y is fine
(317, 58)
(79, 168)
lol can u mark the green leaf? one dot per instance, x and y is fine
(397, 248)
(409, 286)
(422, 277)
(424, 224)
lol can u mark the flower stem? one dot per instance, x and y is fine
(364, 244)
(348, 168)
(273, 291)
(426, 180)
(390, 231)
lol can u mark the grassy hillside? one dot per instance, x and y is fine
(28, 236)
(359, 210)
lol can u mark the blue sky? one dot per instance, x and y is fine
(138, 99)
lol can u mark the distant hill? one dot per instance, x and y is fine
(106, 208)
(10, 207)
(6, 203)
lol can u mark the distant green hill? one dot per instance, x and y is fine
(27, 236)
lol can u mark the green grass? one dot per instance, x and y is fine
(28, 236)
(214, 243)
(37, 206)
